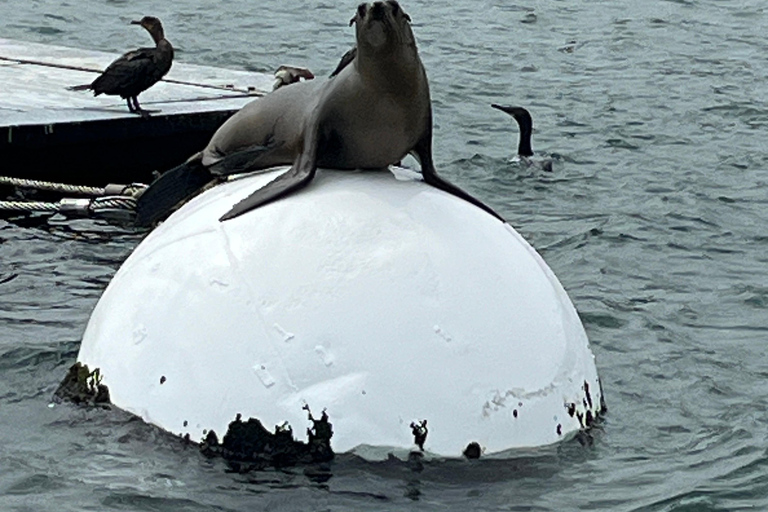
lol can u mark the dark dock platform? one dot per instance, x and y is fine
(50, 133)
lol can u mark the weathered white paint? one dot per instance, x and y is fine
(385, 301)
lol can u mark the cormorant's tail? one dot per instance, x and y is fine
(170, 190)
(83, 87)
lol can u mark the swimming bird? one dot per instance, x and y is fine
(137, 70)
(525, 124)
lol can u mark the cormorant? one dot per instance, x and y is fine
(136, 71)
(525, 124)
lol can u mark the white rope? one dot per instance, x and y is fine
(132, 190)
(115, 208)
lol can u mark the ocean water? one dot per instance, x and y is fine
(654, 219)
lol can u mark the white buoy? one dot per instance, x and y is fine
(383, 301)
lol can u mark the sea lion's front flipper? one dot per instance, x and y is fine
(298, 176)
(423, 150)
(171, 189)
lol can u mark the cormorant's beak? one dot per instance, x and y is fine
(503, 108)
(134, 22)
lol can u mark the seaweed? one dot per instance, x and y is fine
(83, 387)
(248, 445)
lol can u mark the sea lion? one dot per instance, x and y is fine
(371, 114)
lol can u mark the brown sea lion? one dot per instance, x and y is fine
(371, 114)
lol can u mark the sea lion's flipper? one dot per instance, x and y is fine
(423, 152)
(171, 189)
(181, 183)
(297, 177)
(246, 160)
(346, 59)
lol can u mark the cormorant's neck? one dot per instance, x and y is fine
(157, 34)
(524, 147)
(524, 124)
(526, 128)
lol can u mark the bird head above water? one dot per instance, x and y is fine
(525, 124)
(152, 25)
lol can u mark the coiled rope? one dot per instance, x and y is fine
(113, 202)
(53, 187)
(132, 190)
(29, 206)
(114, 208)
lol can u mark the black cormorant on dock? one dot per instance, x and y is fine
(525, 124)
(136, 71)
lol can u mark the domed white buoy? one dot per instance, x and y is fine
(383, 301)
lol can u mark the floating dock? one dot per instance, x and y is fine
(50, 133)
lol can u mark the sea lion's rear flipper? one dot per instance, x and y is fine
(181, 183)
(297, 177)
(171, 189)
(249, 159)
(423, 152)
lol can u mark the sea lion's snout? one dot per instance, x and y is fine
(378, 11)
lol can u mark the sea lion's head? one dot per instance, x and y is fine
(380, 25)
